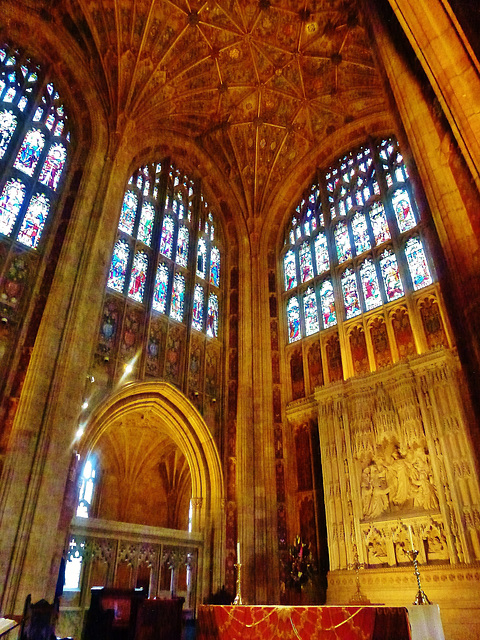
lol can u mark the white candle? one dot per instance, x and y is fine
(411, 537)
(238, 553)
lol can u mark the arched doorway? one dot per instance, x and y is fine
(151, 493)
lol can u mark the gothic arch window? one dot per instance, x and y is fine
(34, 142)
(355, 245)
(162, 312)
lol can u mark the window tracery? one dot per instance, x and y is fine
(353, 247)
(34, 142)
(164, 285)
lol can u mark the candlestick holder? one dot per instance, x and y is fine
(421, 597)
(238, 596)
(358, 597)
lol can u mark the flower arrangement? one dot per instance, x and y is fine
(299, 568)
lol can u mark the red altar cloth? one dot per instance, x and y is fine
(244, 622)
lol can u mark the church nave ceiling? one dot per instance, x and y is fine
(257, 84)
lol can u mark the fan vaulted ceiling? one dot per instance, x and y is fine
(257, 84)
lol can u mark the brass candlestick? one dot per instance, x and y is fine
(238, 597)
(358, 597)
(421, 597)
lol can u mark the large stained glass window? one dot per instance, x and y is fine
(34, 140)
(353, 243)
(166, 262)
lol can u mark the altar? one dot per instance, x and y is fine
(271, 622)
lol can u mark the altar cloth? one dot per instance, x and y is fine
(277, 622)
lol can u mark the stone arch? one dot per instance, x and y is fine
(185, 426)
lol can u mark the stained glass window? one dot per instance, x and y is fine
(118, 268)
(11, 200)
(350, 294)
(417, 263)
(310, 312)
(306, 266)
(158, 203)
(201, 258)
(128, 212)
(138, 276)
(293, 319)
(349, 211)
(360, 233)
(215, 266)
(370, 286)
(212, 316)
(161, 288)
(145, 226)
(34, 220)
(391, 276)
(182, 246)
(403, 210)
(327, 301)
(53, 166)
(198, 303)
(30, 151)
(8, 123)
(321, 254)
(378, 219)
(166, 240)
(290, 270)
(342, 242)
(178, 297)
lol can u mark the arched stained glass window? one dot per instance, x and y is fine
(370, 286)
(362, 205)
(310, 312)
(118, 268)
(128, 212)
(212, 316)
(30, 151)
(29, 186)
(350, 294)
(166, 240)
(417, 263)
(138, 276)
(293, 319)
(391, 275)
(34, 220)
(87, 486)
(182, 246)
(154, 267)
(145, 227)
(215, 266)
(178, 298)
(198, 304)
(11, 199)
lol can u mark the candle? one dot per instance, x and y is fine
(411, 537)
(238, 552)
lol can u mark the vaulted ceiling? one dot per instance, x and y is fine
(257, 84)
